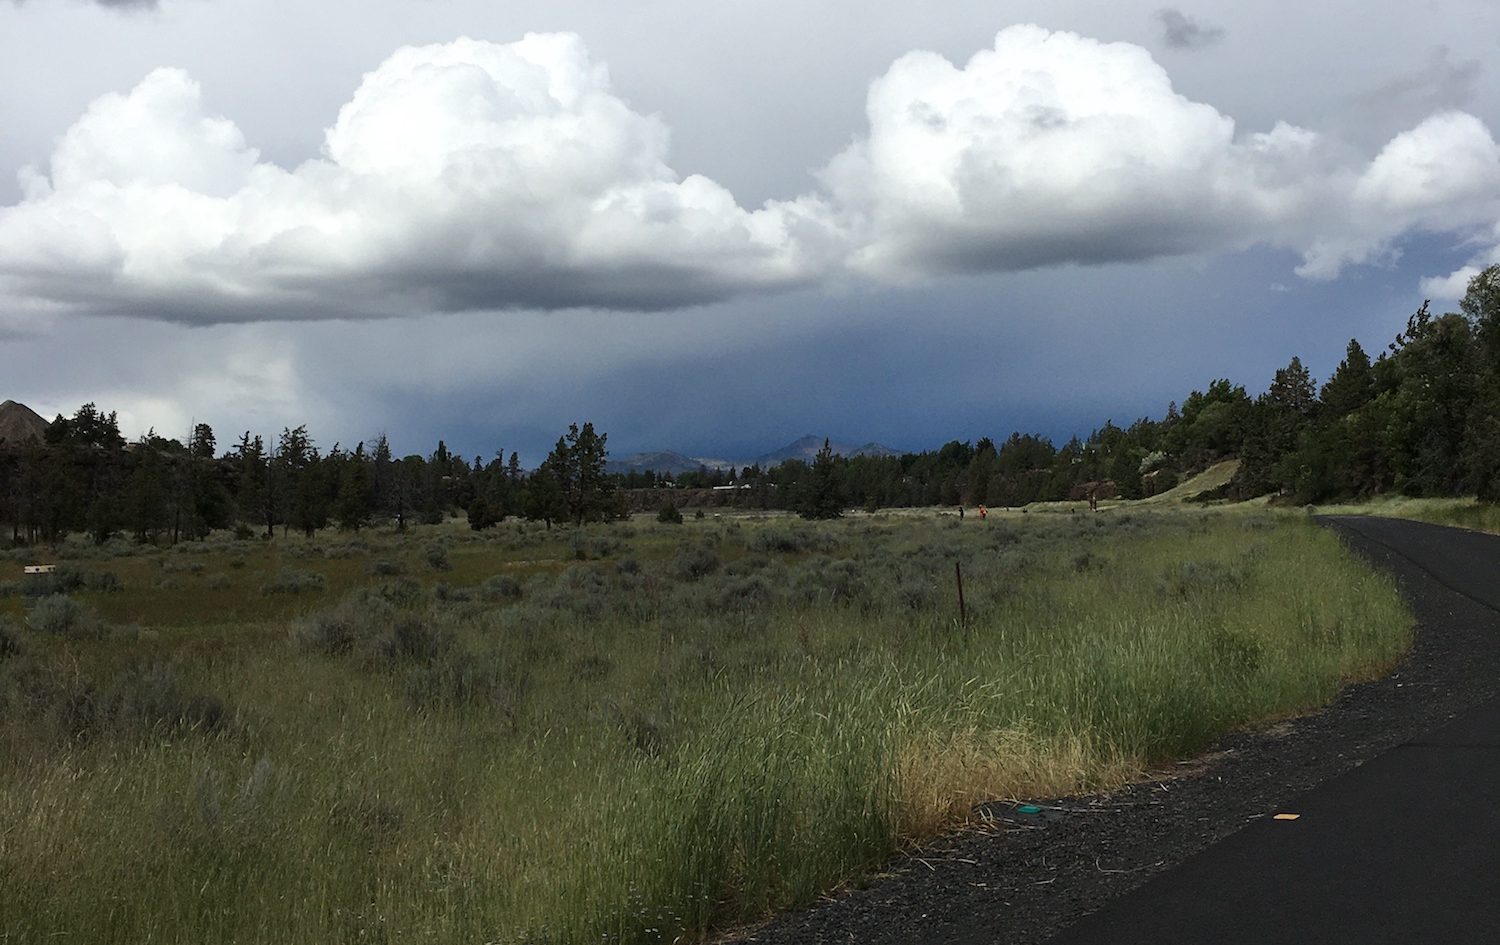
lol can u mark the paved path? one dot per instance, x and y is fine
(1404, 848)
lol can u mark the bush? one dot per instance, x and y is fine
(217, 582)
(500, 587)
(460, 679)
(693, 562)
(243, 532)
(337, 631)
(821, 581)
(293, 581)
(10, 640)
(402, 592)
(668, 514)
(455, 595)
(152, 699)
(916, 595)
(67, 579)
(790, 540)
(437, 557)
(411, 639)
(61, 615)
(748, 593)
(384, 568)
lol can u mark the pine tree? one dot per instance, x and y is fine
(823, 496)
(354, 501)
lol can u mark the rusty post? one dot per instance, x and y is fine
(958, 574)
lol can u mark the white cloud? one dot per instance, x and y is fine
(462, 176)
(1053, 148)
(479, 176)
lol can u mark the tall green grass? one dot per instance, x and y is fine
(1459, 512)
(675, 728)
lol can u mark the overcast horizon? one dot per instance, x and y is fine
(713, 228)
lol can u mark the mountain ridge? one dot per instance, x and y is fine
(804, 448)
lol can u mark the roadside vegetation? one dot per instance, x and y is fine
(1457, 512)
(629, 732)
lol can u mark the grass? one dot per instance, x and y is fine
(1459, 512)
(1214, 477)
(635, 733)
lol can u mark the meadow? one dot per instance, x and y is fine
(638, 732)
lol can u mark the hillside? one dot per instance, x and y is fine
(19, 423)
(1214, 477)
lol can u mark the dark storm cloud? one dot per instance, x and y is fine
(1181, 31)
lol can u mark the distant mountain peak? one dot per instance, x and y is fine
(804, 448)
(807, 447)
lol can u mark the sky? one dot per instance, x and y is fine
(714, 226)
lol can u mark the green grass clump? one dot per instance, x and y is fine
(686, 727)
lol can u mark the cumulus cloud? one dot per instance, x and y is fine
(480, 176)
(462, 176)
(1051, 148)
(1180, 31)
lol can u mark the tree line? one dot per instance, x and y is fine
(83, 477)
(1422, 418)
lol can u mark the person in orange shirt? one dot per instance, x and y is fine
(982, 513)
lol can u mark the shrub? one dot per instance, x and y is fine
(243, 532)
(744, 593)
(915, 594)
(293, 581)
(384, 568)
(1087, 561)
(411, 639)
(590, 668)
(456, 595)
(791, 540)
(402, 592)
(217, 582)
(61, 615)
(669, 515)
(67, 579)
(152, 699)
(500, 587)
(693, 562)
(10, 640)
(337, 631)
(829, 582)
(437, 557)
(459, 679)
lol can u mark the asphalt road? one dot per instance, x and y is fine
(1403, 848)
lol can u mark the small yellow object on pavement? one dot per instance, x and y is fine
(1286, 816)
